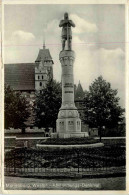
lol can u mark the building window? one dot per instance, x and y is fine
(38, 77)
(40, 83)
(42, 77)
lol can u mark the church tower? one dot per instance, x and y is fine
(43, 68)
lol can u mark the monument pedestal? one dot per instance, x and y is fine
(68, 123)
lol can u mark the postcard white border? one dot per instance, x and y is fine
(4, 2)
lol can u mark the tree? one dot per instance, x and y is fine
(48, 103)
(102, 106)
(16, 109)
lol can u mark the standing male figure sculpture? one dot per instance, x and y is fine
(66, 31)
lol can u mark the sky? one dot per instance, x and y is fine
(98, 39)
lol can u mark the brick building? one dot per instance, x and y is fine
(28, 78)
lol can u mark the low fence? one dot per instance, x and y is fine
(27, 130)
(40, 162)
(112, 140)
(11, 142)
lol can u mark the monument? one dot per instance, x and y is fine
(68, 123)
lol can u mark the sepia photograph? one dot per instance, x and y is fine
(64, 97)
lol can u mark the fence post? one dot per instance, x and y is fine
(14, 163)
(34, 162)
(93, 163)
(106, 161)
(78, 160)
(24, 160)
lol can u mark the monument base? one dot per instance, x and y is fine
(70, 135)
(68, 125)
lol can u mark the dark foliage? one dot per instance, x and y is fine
(47, 105)
(102, 107)
(69, 141)
(16, 109)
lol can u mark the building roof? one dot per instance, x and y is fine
(79, 94)
(44, 55)
(20, 76)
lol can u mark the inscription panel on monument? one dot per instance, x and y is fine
(68, 85)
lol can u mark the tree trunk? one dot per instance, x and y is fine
(23, 130)
(100, 133)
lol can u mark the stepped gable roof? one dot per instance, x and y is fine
(79, 95)
(44, 55)
(20, 76)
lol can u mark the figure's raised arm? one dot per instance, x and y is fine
(62, 22)
(72, 23)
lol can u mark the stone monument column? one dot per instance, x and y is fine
(68, 123)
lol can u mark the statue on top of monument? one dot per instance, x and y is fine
(66, 31)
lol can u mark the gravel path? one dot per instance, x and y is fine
(17, 183)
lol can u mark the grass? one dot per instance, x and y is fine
(67, 158)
